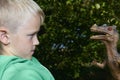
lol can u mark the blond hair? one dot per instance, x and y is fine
(14, 12)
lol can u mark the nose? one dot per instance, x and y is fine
(36, 41)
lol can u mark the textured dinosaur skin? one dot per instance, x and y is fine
(109, 36)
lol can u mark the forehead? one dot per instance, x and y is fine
(31, 24)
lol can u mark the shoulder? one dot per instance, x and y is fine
(19, 69)
(13, 74)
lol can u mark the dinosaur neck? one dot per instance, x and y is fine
(111, 50)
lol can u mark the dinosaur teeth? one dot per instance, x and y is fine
(98, 37)
(108, 35)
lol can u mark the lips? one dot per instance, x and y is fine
(32, 51)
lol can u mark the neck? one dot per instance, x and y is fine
(111, 50)
(7, 51)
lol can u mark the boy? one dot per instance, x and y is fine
(20, 21)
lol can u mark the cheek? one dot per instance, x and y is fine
(29, 41)
(23, 46)
(23, 43)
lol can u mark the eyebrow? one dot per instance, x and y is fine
(35, 32)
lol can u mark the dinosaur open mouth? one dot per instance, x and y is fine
(97, 34)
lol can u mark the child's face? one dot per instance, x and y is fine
(24, 41)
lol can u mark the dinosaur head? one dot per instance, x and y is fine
(106, 33)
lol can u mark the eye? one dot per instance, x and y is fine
(31, 36)
(110, 28)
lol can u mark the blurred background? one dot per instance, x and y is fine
(65, 46)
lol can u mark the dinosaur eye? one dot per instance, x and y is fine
(110, 28)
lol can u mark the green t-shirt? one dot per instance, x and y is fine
(15, 68)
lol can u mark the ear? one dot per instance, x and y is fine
(4, 39)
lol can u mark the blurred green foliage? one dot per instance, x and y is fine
(65, 48)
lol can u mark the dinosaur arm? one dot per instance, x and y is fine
(100, 65)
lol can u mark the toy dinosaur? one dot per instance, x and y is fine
(109, 36)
